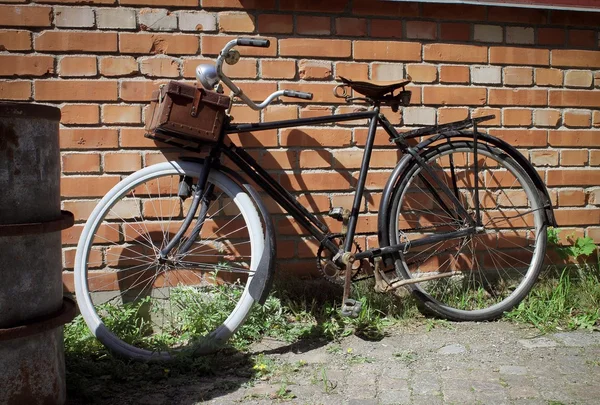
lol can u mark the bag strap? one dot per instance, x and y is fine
(196, 102)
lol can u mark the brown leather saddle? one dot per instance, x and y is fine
(373, 89)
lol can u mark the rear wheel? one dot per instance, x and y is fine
(484, 274)
(149, 308)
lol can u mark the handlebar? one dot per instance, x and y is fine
(261, 43)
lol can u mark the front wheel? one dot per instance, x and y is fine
(483, 274)
(146, 307)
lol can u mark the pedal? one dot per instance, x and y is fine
(351, 308)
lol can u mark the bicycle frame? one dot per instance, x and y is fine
(305, 218)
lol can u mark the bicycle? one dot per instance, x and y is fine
(462, 224)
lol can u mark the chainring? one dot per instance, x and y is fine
(328, 269)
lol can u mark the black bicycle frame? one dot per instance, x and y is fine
(308, 220)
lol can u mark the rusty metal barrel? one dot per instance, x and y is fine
(32, 307)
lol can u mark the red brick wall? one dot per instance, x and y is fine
(99, 60)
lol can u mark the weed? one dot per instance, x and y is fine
(432, 323)
(406, 356)
(334, 349)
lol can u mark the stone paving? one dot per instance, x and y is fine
(430, 363)
(464, 363)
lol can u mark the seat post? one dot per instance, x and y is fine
(362, 178)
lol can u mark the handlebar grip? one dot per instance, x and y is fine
(261, 43)
(298, 94)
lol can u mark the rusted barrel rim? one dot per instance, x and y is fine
(37, 325)
(29, 110)
(66, 220)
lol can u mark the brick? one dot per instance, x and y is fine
(548, 77)
(275, 24)
(574, 98)
(280, 160)
(88, 138)
(571, 198)
(454, 74)
(157, 20)
(421, 30)
(280, 112)
(169, 3)
(597, 79)
(571, 217)
(15, 40)
(236, 22)
(386, 28)
(574, 157)
(75, 90)
(134, 138)
(387, 9)
(87, 186)
(582, 38)
(454, 53)
(570, 138)
(352, 70)
(579, 78)
(73, 41)
(121, 114)
(594, 157)
(501, 55)
(77, 1)
(517, 15)
(464, 12)
(387, 72)
(575, 58)
(522, 137)
(577, 119)
(15, 90)
(212, 45)
(170, 44)
(486, 75)
(333, 6)
(118, 66)
(313, 25)
(25, 16)
(326, 48)
(488, 33)
(438, 95)
(244, 114)
(551, 36)
(519, 35)
(544, 158)
(482, 112)
(73, 17)
(596, 119)
(519, 97)
(351, 27)
(546, 118)
(451, 114)
(26, 65)
(573, 177)
(314, 70)
(315, 181)
(455, 32)
(392, 51)
(159, 67)
(518, 76)
(316, 137)
(574, 18)
(422, 73)
(197, 21)
(74, 66)
(81, 163)
(516, 117)
(278, 69)
(311, 159)
(116, 18)
(245, 4)
(82, 114)
(419, 116)
(122, 162)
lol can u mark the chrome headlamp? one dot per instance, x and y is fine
(207, 76)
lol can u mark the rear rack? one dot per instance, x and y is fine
(436, 129)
